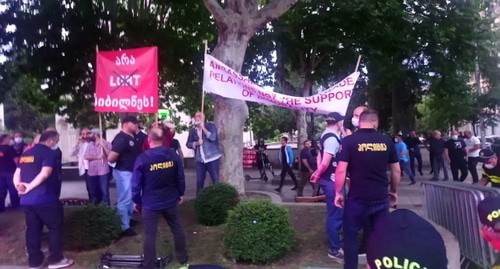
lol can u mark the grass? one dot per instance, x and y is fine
(204, 243)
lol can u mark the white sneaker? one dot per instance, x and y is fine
(61, 264)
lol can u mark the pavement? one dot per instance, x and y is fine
(409, 196)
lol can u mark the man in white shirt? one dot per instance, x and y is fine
(473, 146)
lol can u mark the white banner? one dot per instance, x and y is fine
(218, 78)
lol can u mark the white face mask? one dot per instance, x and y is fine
(355, 121)
(396, 140)
(55, 147)
(489, 166)
(18, 139)
(454, 137)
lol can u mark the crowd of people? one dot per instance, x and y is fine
(149, 174)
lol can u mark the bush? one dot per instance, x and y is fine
(258, 232)
(91, 227)
(213, 203)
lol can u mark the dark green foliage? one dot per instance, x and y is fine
(213, 203)
(258, 232)
(91, 227)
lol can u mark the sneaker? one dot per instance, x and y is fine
(278, 189)
(336, 255)
(38, 267)
(61, 264)
(184, 266)
(295, 188)
(128, 232)
(413, 183)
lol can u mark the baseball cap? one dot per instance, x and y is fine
(131, 119)
(96, 131)
(489, 211)
(486, 154)
(334, 117)
(403, 237)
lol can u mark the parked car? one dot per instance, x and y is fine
(490, 140)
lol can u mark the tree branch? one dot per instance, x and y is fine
(220, 15)
(271, 11)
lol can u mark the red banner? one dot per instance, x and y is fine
(127, 81)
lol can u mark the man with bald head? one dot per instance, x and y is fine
(157, 190)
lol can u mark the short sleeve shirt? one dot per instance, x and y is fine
(306, 154)
(128, 148)
(31, 163)
(456, 149)
(471, 142)
(331, 144)
(368, 154)
(400, 148)
(175, 145)
(7, 155)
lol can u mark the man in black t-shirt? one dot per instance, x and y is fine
(413, 143)
(308, 165)
(454, 151)
(8, 159)
(436, 147)
(125, 149)
(365, 156)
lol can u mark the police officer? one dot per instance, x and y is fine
(365, 155)
(491, 168)
(327, 161)
(157, 189)
(38, 184)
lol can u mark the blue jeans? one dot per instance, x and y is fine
(405, 167)
(99, 186)
(201, 172)
(357, 212)
(150, 219)
(7, 185)
(124, 202)
(38, 216)
(333, 214)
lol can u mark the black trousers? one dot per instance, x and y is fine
(472, 164)
(285, 168)
(418, 156)
(459, 165)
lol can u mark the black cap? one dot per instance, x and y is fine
(489, 211)
(486, 154)
(131, 119)
(334, 117)
(404, 237)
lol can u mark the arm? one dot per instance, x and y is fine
(340, 174)
(137, 178)
(306, 164)
(76, 149)
(446, 155)
(210, 131)
(476, 146)
(113, 156)
(395, 179)
(323, 165)
(17, 177)
(89, 155)
(39, 179)
(291, 158)
(191, 142)
(180, 180)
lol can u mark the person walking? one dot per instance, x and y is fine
(404, 161)
(286, 159)
(413, 143)
(308, 166)
(158, 187)
(204, 140)
(124, 151)
(473, 146)
(8, 160)
(456, 154)
(37, 183)
(365, 156)
(436, 147)
(327, 163)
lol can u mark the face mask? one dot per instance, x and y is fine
(18, 140)
(396, 140)
(454, 137)
(488, 165)
(355, 121)
(55, 147)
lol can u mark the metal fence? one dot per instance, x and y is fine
(453, 205)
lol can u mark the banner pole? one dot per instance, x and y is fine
(357, 64)
(202, 90)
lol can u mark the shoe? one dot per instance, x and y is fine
(445, 179)
(431, 172)
(421, 173)
(38, 267)
(133, 222)
(413, 183)
(128, 232)
(336, 255)
(295, 188)
(278, 189)
(62, 264)
(184, 266)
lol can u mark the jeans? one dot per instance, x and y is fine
(437, 165)
(415, 155)
(124, 203)
(37, 216)
(201, 173)
(7, 185)
(99, 186)
(150, 219)
(356, 214)
(472, 164)
(405, 167)
(459, 165)
(285, 168)
(333, 214)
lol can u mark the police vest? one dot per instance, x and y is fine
(333, 162)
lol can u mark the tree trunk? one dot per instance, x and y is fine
(301, 116)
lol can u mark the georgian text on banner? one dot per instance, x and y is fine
(219, 79)
(127, 81)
